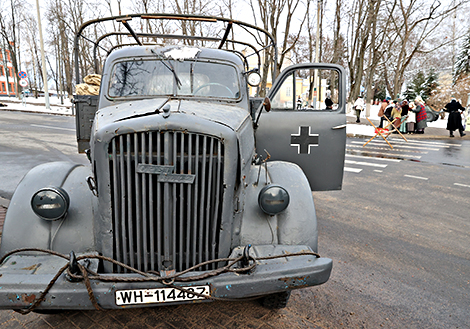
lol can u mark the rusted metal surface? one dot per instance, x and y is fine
(296, 282)
(28, 298)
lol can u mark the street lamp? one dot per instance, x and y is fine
(43, 59)
(317, 56)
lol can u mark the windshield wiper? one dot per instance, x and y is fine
(170, 67)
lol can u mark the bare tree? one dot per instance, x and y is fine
(276, 17)
(9, 32)
(377, 40)
(363, 14)
(414, 23)
(338, 47)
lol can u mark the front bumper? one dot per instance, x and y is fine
(24, 277)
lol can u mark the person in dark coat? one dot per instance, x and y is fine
(404, 116)
(388, 110)
(454, 121)
(328, 103)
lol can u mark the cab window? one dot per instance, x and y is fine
(148, 78)
(308, 90)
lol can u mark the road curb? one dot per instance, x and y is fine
(40, 112)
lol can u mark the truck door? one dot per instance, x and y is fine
(307, 122)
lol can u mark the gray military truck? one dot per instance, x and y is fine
(197, 189)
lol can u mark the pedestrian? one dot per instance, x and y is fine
(464, 115)
(328, 103)
(388, 113)
(465, 119)
(396, 115)
(382, 108)
(405, 109)
(454, 121)
(411, 121)
(359, 107)
(299, 103)
(421, 116)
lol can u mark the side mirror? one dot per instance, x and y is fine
(267, 104)
(267, 108)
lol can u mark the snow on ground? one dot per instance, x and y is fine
(31, 104)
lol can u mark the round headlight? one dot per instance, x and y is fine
(273, 199)
(253, 79)
(50, 203)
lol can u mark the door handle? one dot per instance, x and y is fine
(339, 127)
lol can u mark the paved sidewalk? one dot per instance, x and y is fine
(435, 130)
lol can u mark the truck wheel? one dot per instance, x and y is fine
(429, 116)
(276, 301)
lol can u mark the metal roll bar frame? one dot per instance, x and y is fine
(163, 16)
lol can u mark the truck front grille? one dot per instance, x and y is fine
(166, 195)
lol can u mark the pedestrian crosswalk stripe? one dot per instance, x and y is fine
(374, 158)
(458, 184)
(354, 170)
(391, 155)
(385, 148)
(370, 164)
(427, 143)
(417, 177)
(380, 143)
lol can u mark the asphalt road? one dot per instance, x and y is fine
(400, 239)
(398, 233)
(27, 140)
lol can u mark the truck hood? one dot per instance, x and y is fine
(231, 116)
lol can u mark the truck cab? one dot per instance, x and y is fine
(197, 188)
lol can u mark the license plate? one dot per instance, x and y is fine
(160, 295)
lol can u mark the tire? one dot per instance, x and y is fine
(276, 301)
(431, 116)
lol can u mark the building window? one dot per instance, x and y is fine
(4, 88)
(2, 71)
(12, 87)
(10, 72)
(288, 92)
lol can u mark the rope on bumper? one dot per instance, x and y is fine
(86, 275)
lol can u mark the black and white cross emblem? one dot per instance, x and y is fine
(304, 140)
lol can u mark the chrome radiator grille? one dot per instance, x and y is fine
(166, 194)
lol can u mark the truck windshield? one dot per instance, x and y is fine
(136, 78)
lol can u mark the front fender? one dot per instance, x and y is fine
(297, 225)
(24, 229)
